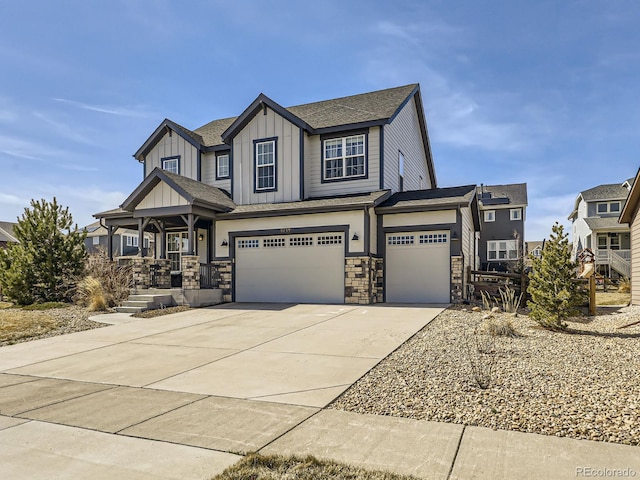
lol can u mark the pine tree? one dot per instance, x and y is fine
(49, 256)
(554, 294)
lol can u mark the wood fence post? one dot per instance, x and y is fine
(592, 295)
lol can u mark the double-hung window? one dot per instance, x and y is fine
(490, 216)
(344, 158)
(171, 164)
(265, 165)
(222, 166)
(502, 250)
(515, 214)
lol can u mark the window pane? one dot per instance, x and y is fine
(333, 148)
(602, 208)
(614, 207)
(333, 169)
(355, 166)
(355, 145)
(223, 166)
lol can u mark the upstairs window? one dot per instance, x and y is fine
(490, 216)
(608, 207)
(171, 164)
(265, 165)
(344, 158)
(515, 214)
(222, 167)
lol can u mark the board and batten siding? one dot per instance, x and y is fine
(403, 135)
(313, 165)
(419, 218)
(171, 146)
(208, 165)
(635, 257)
(287, 160)
(162, 195)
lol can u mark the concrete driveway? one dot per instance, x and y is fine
(214, 383)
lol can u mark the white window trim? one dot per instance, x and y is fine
(166, 162)
(494, 246)
(343, 158)
(515, 214)
(223, 175)
(608, 207)
(489, 215)
(95, 241)
(265, 165)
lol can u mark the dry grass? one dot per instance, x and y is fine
(17, 324)
(276, 467)
(612, 298)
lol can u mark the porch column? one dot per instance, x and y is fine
(163, 241)
(110, 242)
(190, 223)
(140, 237)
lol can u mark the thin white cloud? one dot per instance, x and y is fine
(67, 131)
(110, 110)
(24, 149)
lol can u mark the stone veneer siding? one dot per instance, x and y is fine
(363, 280)
(457, 279)
(190, 272)
(223, 278)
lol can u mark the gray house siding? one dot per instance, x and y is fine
(208, 163)
(313, 164)
(287, 135)
(173, 146)
(503, 228)
(592, 208)
(403, 135)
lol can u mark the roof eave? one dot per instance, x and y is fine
(633, 202)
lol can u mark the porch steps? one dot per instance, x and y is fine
(140, 303)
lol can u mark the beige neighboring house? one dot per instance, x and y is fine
(631, 215)
(533, 249)
(6, 234)
(334, 201)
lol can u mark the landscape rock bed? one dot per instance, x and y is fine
(584, 383)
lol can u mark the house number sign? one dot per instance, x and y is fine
(285, 230)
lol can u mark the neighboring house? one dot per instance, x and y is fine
(595, 226)
(503, 211)
(124, 241)
(631, 215)
(333, 201)
(6, 234)
(533, 250)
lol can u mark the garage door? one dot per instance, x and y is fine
(307, 268)
(417, 267)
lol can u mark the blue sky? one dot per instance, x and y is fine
(542, 92)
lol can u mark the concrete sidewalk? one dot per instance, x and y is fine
(184, 396)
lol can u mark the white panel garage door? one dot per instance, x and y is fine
(306, 268)
(417, 267)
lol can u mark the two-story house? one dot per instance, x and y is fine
(631, 215)
(503, 211)
(595, 226)
(334, 201)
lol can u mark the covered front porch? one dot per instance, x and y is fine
(180, 214)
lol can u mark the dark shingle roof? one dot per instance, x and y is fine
(201, 191)
(604, 223)
(612, 191)
(212, 132)
(312, 203)
(516, 193)
(434, 197)
(364, 107)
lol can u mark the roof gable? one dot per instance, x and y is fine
(190, 191)
(165, 126)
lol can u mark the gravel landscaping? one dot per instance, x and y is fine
(18, 325)
(584, 383)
